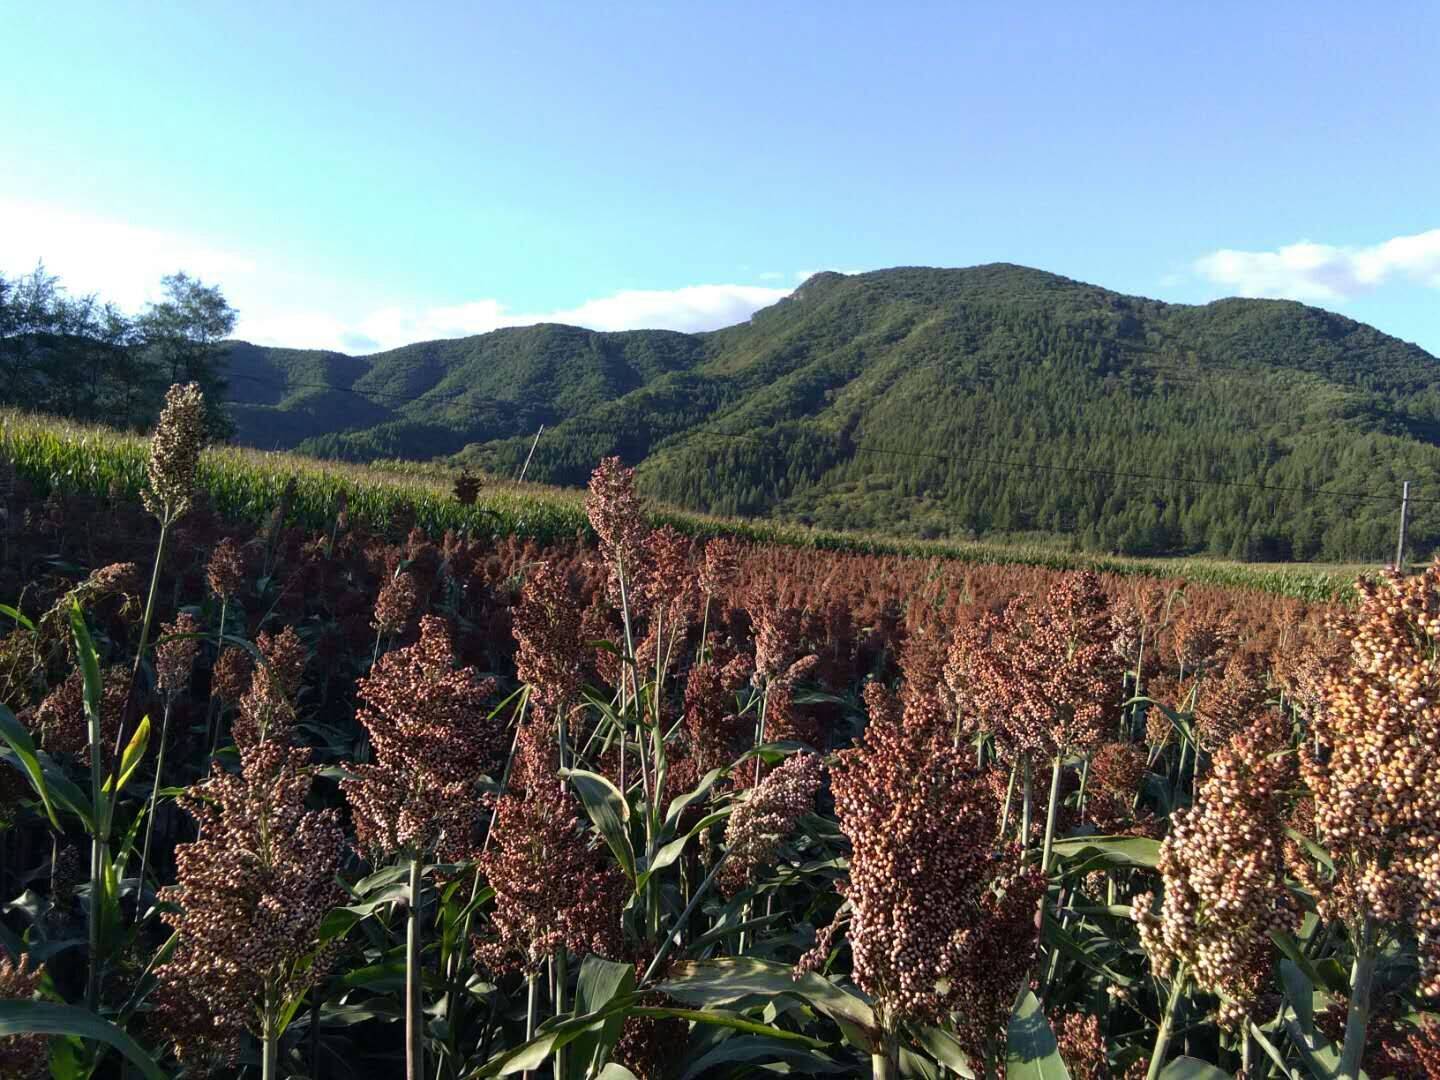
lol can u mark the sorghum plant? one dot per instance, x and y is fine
(1371, 773)
(247, 906)
(1223, 872)
(761, 823)
(941, 927)
(432, 739)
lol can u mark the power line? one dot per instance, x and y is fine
(892, 452)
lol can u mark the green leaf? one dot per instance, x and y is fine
(134, 752)
(1189, 1068)
(599, 983)
(1115, 850)
(341, 920)
(1315, 851)
(615, 1071)
(746, 1049)
(554, 1035)
(18, 616)
(944, 1048)
(1320, 1055)
(1066, 943)
(718, 982)
(667, 855)
(916, 1066)
(49, 1018)
(23, 749)
(610, 813)
(681, 803)
(1033, 1053)
(725, 1019)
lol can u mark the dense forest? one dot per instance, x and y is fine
(80, 357)
(994, 401)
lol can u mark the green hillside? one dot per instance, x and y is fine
(986, 402)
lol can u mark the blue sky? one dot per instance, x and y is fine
(354, 177)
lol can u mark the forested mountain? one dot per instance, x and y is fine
(995, 401)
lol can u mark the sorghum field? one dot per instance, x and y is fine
(293, 795)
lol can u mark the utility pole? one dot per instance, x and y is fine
(536, 443)
(1404, 517)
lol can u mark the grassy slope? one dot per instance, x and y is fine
(247, 483)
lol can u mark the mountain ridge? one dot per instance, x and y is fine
(807, 410)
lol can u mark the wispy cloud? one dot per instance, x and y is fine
(1325, 272)
(124, 263)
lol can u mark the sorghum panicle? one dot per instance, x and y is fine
(618, 519)
(60, 723)
(1223, 871)
(432, 737)
(175, 658)
(267, 710)
(762, 822)
(1045, 675)
(941, 925)
(553, 885)
(1227, 704)
(231, 674)
(1377, 804)
(175, 452)
(225, 572)
(550, 639)
(396, 603)
(250, 894)
(715, 727)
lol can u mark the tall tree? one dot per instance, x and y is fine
(182, 334)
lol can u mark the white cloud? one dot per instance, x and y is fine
(690, 308)
(124, 263)
(1324, 272)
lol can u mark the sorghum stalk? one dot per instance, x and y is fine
(1167, 1024)
(675, 931)
(1009, 798)
(98, 844)
(1362, 979)
(1050, 810)
(1026, 804)
(210, 709)
(885, 1061)
(165, 522)
(532, 1007)
(760, 728)
(270, 1041)
(414, 1019)
(561, 975)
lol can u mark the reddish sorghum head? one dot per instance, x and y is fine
(432, 738)
(941, 925)
(175, 658)
(247, 904)
(766, 818)
(1222, 868)
(1371, 762)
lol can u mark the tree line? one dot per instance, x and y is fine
(85, 358)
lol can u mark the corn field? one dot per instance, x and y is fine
(314, 776)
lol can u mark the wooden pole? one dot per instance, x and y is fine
(1404, 520)
(528, 456)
